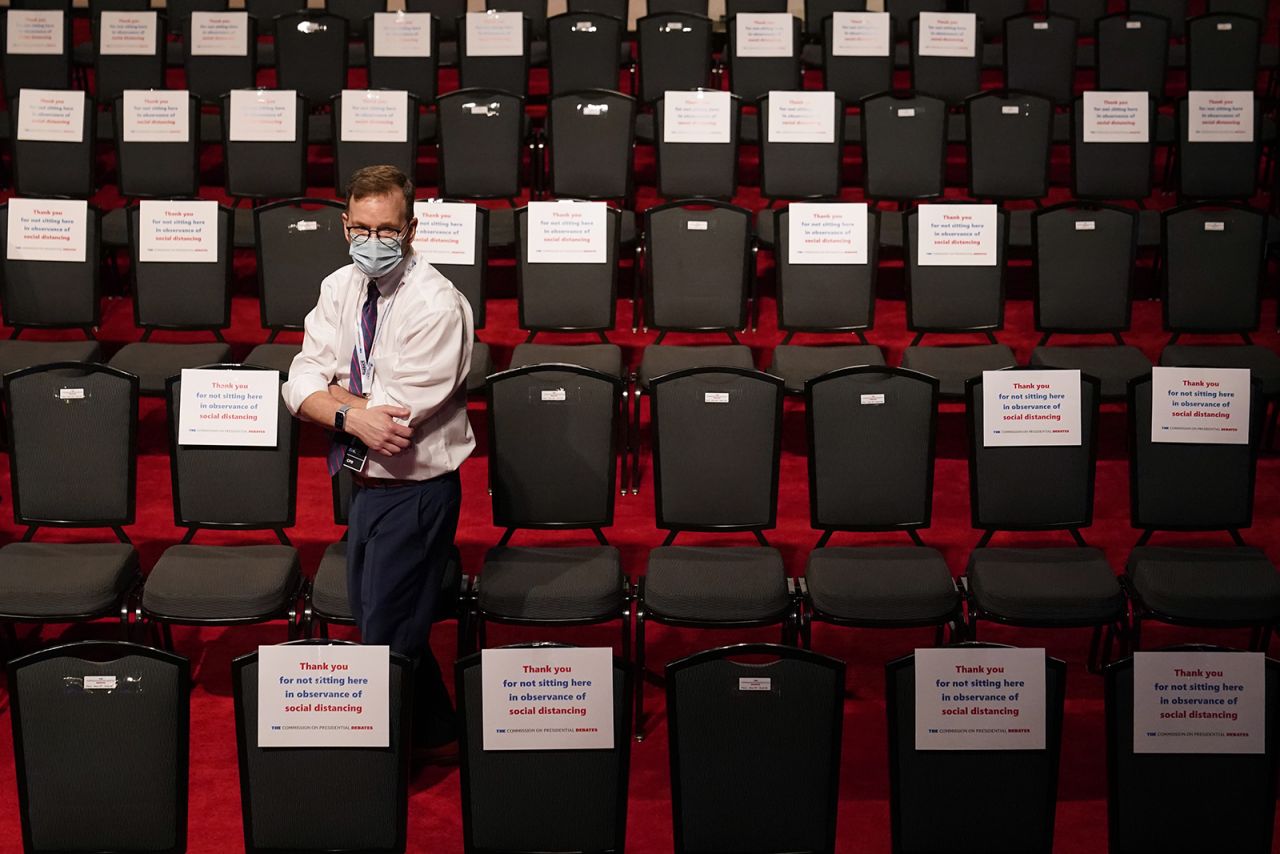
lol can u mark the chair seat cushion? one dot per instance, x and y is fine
(605, 358)
(1054, 585)
(192, 582)
(278, 356)
(52, 579)
(1216, 585)
(796, 364)
(1262, 361)
(16, 354)
(574, 583)
(659, 359)
(329, 588)
(1113, 365)
(889, 584)
(951, 366)
(716, 584)
(481, 366)
(154, 363)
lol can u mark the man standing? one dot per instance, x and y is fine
(383, 365)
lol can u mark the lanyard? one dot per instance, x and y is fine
(364, 359)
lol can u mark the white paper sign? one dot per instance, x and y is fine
(323, 696)
(802, 117)
(861, 33)
(549, 698)
(170, 231)
(697, 116)
(495, 34)
(980, 699)
(263, 115)
(446, 232)
(229, 407)
(1199, 702)
(568, 232)
(1200, 405)
(827, 233)
(1219, 116)
(948, 34)
(34, 31)
(51, 115)
(47, 230)
(157, 115)
(402, 34)
(1030, 408)
(375, 115)
(127, 34)
(1116, 117)
(763, 34)
(219, 33)
(956, 236)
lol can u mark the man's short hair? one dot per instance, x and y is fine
(380, 180)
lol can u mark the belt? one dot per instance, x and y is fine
(365, 482)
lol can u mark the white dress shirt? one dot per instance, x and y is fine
(421, 355)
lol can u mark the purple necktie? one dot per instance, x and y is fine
(368, 326)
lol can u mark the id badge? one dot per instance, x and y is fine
(355, 456)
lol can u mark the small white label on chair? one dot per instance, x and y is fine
(1218, 116)
(70, 394)
(755, 683)
(907, 112)
(34, 31)
(127, 34)
(177, 231)
(1133, 25)
(47, 230)
(1010, 110)
(951, 34)
(553, 395)
(674, 27)
(872, 399)
(1039, 25)
(1215, 226)
(306, 225)
(99, 683)
(584, 27)
(595, 109)
(1086, 225)
(51, 115)
(696, 225)
(715, 397)
(1224, 26)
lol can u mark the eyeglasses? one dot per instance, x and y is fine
(360, 234)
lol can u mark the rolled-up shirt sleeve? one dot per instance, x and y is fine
(430, 366)
(316, 366)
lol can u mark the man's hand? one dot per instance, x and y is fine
(374, 426)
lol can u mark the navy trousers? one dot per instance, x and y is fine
(398, 544)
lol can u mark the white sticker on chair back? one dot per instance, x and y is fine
(953, 34)
(219, 33)
(763, 34)
(495, 34)
(1030, 408)
(375, 115)
(446, 232)
(1219, 116)
(567, 232)
(957, 235)
(127, 33)
(50, 115)
(819, 233)
(229, 407)
(263, 115)
(802, 117)
(980, 699)
(861, 34)
(47, 230)
(35, 32)
(157, 115)
(1116, 117)
(698, 117)
(177, 231)
(1200, 405)
(402, 34)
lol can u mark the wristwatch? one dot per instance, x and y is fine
(340, 418)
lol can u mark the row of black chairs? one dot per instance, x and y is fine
(733, 760)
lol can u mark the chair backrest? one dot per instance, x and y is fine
(1214, 260)
(682, 7)
(1249, 8)
(480, 135)
(697, 266)
(183, 294)
(583, 50)
(1009, 136)
(853, 78)
(717, 436)
(1008, 798)
(507, 805)
(794, 170)
(158, 169)
(52, 293)
(504, 73)
(905, 11)
(445, 12)
(1003, 498)
(71, 742)
(297, 243)
(1148, 794)
(72, 423)
(265, 12)
(357, 13)
(992, 15)
(257, 169)
(697, 169)
(952, 78)
(471, 279)
(368, 813)
(1086, 12)
(616, 8)
(1040, 55)
(211, 77)
(1133, 53)
(552, 441)
(53, 168)
(352, 155)
(753, 77)
(1175, 11)
(1213, 169)
(1160, 471)
(224, 486)
(674, 52)
(904, 145)
(733, 750)
(1084, 260)
(389, 69)
(1223, 52)
(592, 138)
(954, 299)
(734, 7)
(559, 297)
(867, 425)
(178, 15)
(1111, 170)
(534, 11)
(311, 54)
(36, 70)
(825, 297)
(816, 13)
(113, 73)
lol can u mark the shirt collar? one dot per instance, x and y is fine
(388, 283)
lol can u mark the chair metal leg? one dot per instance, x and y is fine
(1095, 650)
(635, 439)
(639, 672)
(167, 634)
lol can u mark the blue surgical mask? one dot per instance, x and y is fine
(375, 258)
